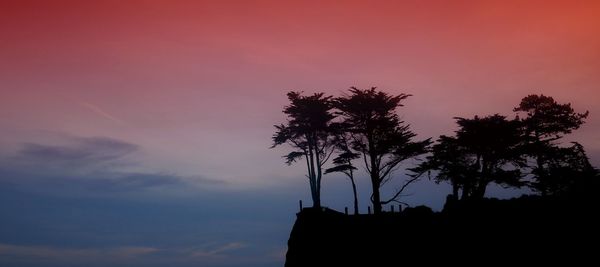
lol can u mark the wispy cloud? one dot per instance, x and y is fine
(87, 164)
(74, 254)
(98, 111)
(79, 152)
(107, 255)
(217, 251)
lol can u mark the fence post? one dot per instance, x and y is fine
(392, 208)
(369, 209)
(300, 205)
(399, 208)
(346, 210)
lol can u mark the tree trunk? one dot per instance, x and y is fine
(316, 201)
(313, 194)
(376, 197)
(375, 179)
(455, 190)
(312, 176)
(355, 195)
(311, 181)
(480, 192)
(481, 184)
(541, 176)
(319, 176)
(467, 188)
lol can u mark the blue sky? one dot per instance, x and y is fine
(73, 205)
(66, 206)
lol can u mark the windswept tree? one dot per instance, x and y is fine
(495, 145)
(376, 133)
(451, 162)
(546, 122)
(309, 131)
(569, 172)
(485, 150)
(343, 163)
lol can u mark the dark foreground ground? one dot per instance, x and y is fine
(512, 232)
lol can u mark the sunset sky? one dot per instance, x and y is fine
(137, 133)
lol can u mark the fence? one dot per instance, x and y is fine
(392, 209)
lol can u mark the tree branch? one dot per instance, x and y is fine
(327, 157)
(410, 181)
(366, 162)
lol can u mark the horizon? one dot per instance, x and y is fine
(137, 133)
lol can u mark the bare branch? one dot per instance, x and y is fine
(408, 182)
(327, 157)
(366, 162)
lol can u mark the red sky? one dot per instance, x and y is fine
(199, 84)
(137, 133)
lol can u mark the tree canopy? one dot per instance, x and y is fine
(377, 133)
(545, 123)
(363, 125)
(309, 131)
(484, 150)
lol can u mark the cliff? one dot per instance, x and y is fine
(530, 229)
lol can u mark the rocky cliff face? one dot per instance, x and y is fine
(528, 229)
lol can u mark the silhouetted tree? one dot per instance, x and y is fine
(569, 172)
(343, 163)
(377, 133)
(309, 132)
(545, 123)
(452, 162)
(495, 143)
(482, 152)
